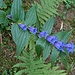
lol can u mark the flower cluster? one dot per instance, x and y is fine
(51, 39)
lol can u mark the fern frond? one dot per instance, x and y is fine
(35, 67)
(46, 9)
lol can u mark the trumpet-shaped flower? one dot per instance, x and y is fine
(51, 39)
(33, 30)
(70, 47)
(59, 45)
(43, 34)
(23, 26)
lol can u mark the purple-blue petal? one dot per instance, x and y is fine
(23, 26)
(9, 16)
(70, 47)
(43, 34)
(51, 39)
(33, 30)
(59, 45)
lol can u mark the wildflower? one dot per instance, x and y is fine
(33, 30)
(23, 26)
(59, 45)
(51, 39)
(9, 16)
(70, 47)
(43, 34)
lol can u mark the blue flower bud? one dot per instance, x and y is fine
(51, 39)
(43, 34)
(33, 30)
(9, 16)
(70, 47)
(59, 45)
(23, 26)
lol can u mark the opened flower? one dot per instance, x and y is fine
(43, 34)
(51, 39)
(33, 30)
(59, 45)
(23, 26)
(70, 47)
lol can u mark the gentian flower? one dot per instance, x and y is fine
(33, 30)
(23, 26)
(9, 16)
(51, 39)
(70, 47)
(59, 45)
(43, 34)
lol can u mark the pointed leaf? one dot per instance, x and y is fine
(67, 36)
(17, 11)
(54, 56)
(39, 50)
(49, 25)
(63, 57)
(31, 16)
(20, 37)
(20, 72)
(46, 47)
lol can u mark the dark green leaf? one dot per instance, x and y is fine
(39, 50)
(31, 16)
(2, 16)
(49, 25)
(17, 11)
(54, 56)
(46, 47)
(37, 23)
(20, 37)
(63, 57)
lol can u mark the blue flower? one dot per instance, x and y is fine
(23, 26)
(59, 45)
(33, 30)
(43, 34)
(9, 16)
(51, 39)
(70, 47)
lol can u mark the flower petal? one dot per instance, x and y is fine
(33, 30)
(23, 26)
(43, 34)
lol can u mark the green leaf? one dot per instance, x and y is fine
(31, 16)
(49, 25)
(2, 16)
(63, 57)
(64, 36)
(2, 4)
(31, 66)
(39, 50)
(54, 56)
(17, 11)
(20, 37)
(46, 9)
(46, 47)
(20, 72)
(37, 23)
